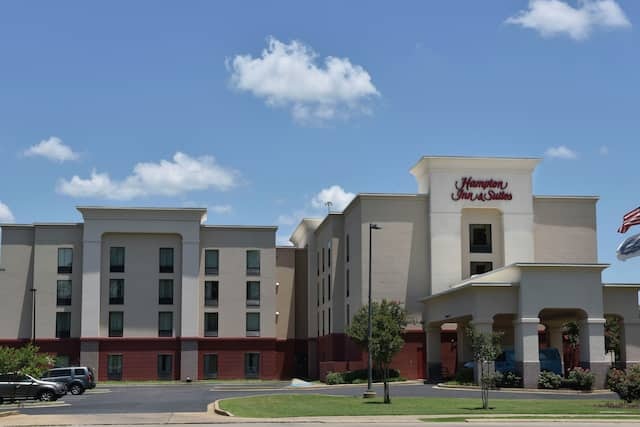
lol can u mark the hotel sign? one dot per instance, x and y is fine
(483, 190)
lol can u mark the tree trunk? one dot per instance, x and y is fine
(385, 375)
(484, 384)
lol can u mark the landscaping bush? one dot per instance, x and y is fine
(464, 376)
(582, 379)
(549, 380)
(334, 378)
(390, 380)
(625, 384)
(510, 379)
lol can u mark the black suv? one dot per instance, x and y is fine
(76, 378)
(19, 387)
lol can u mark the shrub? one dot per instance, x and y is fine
(464, 376)
(549, 380)
(26, 360)
(582, 379)
(509, 379)
(362, 374)
(334, 378)
(625, 384)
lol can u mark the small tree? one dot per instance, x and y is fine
(571, 332)
(389, 320)
(25, 360)
(612, 335)
(486, 347)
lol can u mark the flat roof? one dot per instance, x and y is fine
(139, 208)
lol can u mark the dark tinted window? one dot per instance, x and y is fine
(253, 263)
(165, 291)
(63, 292)
(210, 366)
(252, 365)
(211, 293)
(116, 291)
(253, 293)
(211, 260)
(116, 263)
(78, 371)
(481, 267)
(5, 378)
(63, 324)
(480, 238)
(65, 260)
(166, 260)
(114, 366)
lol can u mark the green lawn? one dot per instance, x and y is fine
(298, 405)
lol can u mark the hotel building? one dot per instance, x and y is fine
(147, 293)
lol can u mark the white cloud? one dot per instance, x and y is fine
(554, 17)
(52, 149)
(221, 209)
(166, 178)
(6, 215)
(604, 150)
(561, 152)
(287, 75)
(336, 195)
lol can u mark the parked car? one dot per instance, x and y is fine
(506, 362)
(76, 378)
(20, 387)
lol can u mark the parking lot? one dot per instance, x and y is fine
(195, 397)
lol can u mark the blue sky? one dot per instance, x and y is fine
(119, 88)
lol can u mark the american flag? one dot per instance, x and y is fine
(630, 219)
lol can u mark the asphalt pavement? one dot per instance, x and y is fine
(195, 397)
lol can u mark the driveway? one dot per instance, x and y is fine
(196, 396)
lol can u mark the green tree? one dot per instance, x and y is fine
(612, 335)
(486, 348)
(25, 360)
(389, 319)
(571, 332)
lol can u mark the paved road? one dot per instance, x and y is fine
(195, 397)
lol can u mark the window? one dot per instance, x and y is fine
(63, 324)
(210, 366)
(211, 293)
(329, 287)
(65, 260)
(253, 293)
(348, 248)
(253, 324)
(211, 324)
(253, 263)
(165, 324)
(323, 260)
(480, 238)
(165, 291)
(116, 260)
(481, 267)
(329, 321)
(329, 254)
(211, 259)
(166, 260)
(318, 324)
(116, 323)
(165, 366)
(62, 360)
(317, 294)
(79, 371)
(348, 315)
(63, 293)
(317, 263)
(322, 322)
(323, 290)
(114, 366)
(252, 365)
(116, 291)
(348, 284)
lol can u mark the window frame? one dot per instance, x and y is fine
(206, 373)
(116, 268)
(117, 300)
(252, 302)
(117, 376)
(165, 300)
(247, 357)
(115, 333)
(66, 333)
(209, 332)
(210, 302)
(252, 270)
(472, 263)
(164, 268)
(476, 248)
(63, 268)
(164, 376)
(212, 271)
(252, 332)
(165, 333)
(63, 301)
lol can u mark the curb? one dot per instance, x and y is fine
(524, 390)
(214, 407)
(8, 413)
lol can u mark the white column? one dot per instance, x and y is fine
(592, 349)
(526, 350)
(190, 309)
(631, 342)
(90, 317)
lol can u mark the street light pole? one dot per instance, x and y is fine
(369, 392)
(33, 322)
